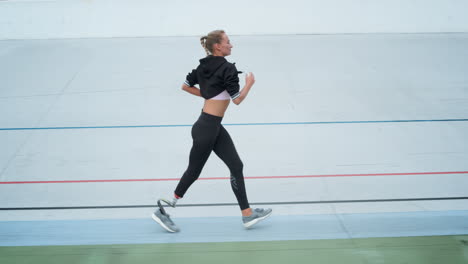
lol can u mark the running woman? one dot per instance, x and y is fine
(219, 84)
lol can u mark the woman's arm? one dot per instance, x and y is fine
(249, 81)
(192, 90)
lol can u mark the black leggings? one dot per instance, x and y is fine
(209, 135)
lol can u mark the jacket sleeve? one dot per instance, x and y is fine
(191, 78)
(231, 81)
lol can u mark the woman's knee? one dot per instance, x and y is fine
(236, 166)
(193, 173)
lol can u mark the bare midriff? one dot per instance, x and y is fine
(216, 107)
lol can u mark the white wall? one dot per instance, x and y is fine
(44, 19)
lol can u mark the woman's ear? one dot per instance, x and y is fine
(216, 46)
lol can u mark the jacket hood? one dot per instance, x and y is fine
(210, 64)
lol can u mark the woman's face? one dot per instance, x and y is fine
(225, 46)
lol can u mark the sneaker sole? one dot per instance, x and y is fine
(155, 218)
(253, 222)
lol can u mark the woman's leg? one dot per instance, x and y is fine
(226, 151)
(204, 137)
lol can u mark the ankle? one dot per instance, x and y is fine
(247, 212)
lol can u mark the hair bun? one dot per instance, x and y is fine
(203, 44)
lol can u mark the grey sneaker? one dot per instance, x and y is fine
(165, 221)
(258, 214)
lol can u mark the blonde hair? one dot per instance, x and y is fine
(212, 38)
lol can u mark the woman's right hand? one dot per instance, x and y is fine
(249, 79)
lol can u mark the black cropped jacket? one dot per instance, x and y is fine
(214, 75)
